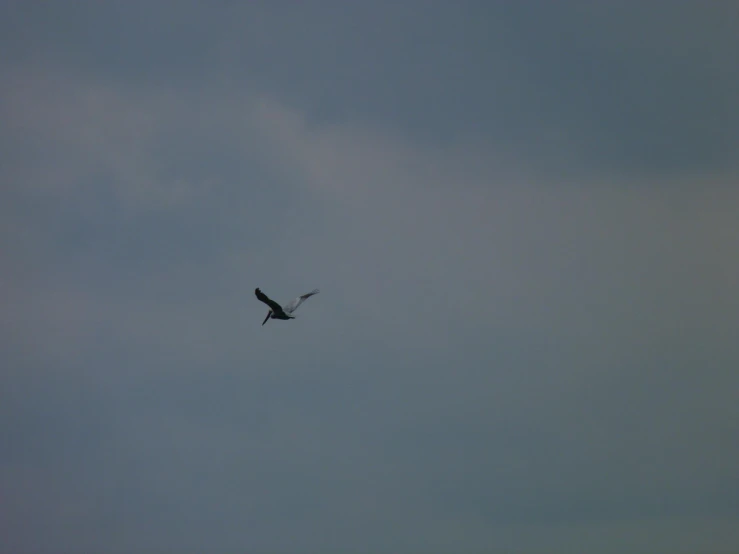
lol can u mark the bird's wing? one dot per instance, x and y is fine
(274, 306)
(291, 306)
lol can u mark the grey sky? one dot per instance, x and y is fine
(523, 221)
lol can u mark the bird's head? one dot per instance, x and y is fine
(269, 314)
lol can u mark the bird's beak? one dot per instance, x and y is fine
(269, 313)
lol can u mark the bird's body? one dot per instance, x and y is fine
(282, 312)
(280, 315)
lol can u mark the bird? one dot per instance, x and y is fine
(282, 312)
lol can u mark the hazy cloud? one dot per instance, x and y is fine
(523, 226)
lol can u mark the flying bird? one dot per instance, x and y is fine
(282, 312)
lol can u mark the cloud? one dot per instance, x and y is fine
(502, 355)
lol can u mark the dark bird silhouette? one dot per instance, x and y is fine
(282, 312)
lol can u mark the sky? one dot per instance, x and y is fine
(522, 217)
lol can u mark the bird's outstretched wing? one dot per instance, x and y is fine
(274, 306)
(291, 306)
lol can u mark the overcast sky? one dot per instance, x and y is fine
(523, 219)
